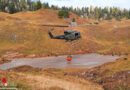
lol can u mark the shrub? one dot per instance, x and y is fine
(73, 20)
(63, 13)
(108, 18)
(118, 18)
(22, 86)
(96, 23)
(89, 17)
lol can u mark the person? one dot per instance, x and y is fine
(4, 81)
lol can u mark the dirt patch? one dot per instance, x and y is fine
(2, 19)
(54, 88)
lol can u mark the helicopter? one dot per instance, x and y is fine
(68, 35)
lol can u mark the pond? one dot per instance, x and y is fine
(60, 62)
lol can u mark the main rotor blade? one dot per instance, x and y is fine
(55, 25)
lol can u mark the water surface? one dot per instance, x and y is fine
(78, 61)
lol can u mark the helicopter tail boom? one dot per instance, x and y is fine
(56, 37)
(50, 34)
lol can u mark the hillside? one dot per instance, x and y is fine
(112, 76)
(22, 35)
(28, 78)
(27, 28)
(42, 16)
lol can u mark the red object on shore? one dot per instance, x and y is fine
(4, 80)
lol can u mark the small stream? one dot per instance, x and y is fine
(78, 61)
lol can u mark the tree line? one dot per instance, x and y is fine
(13, 6)
(107, 13)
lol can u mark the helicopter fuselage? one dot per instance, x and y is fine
(68, 35)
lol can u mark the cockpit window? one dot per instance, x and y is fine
(76, 34)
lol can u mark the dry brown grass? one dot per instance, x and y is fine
(32, 37)
(115, 41)
(122, 64)
(41, 81)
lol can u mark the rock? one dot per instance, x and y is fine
(125, 59)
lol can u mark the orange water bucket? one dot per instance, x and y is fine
(69, 58)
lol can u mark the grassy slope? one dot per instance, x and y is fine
(23, 32)
(36, 79)
(112, 76)
(122, 64)
(116, 40)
